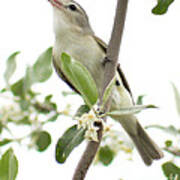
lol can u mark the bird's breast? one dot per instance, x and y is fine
(86, 51)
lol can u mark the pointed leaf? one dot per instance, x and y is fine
(21, 87)
(130, 110)
(48, 98)
(171, 170)
(28, 79)
(8, 166)
(53, 118)
(70, 139)
(42, 68)
(82, 109)
(3, 90)
(45, 107)
(170, 129)
(80, 77)
(140, 100)
(5, 141)
(17, 88)
(177, 98)
(40, 72)
(67, 93)
(162, 7)
(24, 121)
(10, 66)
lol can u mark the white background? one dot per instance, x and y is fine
(149, 56)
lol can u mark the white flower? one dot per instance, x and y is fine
(82, 122)
(67, 110)
(107, 127)
(118, 142)
(88, 121)
(91, 134)
(11, 111)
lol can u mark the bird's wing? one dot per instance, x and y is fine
(103, 46)
(101, 43)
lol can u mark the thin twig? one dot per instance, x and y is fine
(174, 151)
(110, 68)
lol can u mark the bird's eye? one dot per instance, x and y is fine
(72, 7)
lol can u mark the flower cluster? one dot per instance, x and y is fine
(11, 112)
(88, 121)
(118, 142)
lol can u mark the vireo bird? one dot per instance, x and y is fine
(74, 35)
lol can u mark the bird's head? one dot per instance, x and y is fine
(70, 15)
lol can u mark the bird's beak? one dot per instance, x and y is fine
(56, 3)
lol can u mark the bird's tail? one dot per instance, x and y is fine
(148, 150)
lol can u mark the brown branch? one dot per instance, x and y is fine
(114, 43)
(110, 68)
(87, 157)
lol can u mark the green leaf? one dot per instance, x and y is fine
(21, 87)
(67, 93)
(40, 72)
(130, 110)
(1, 127)
(10, 66)
(28, 79)
(53, 118)
(48, 98)
(168, 143)
(17, 88)
(24, 104)
(177, 98)
(170, 129)
(5, 141)
(80, 77)
(45, 107)
(49, 103)
(140, 100)
(170, 170)
(8, 166)
(24, 121)
(162, 7)
(42, 68)
(41, 108)
(81, 110)
(106, 155)
(3, 90)
(43, 140)
(33, 94)
(70, 139)
(108, 91)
